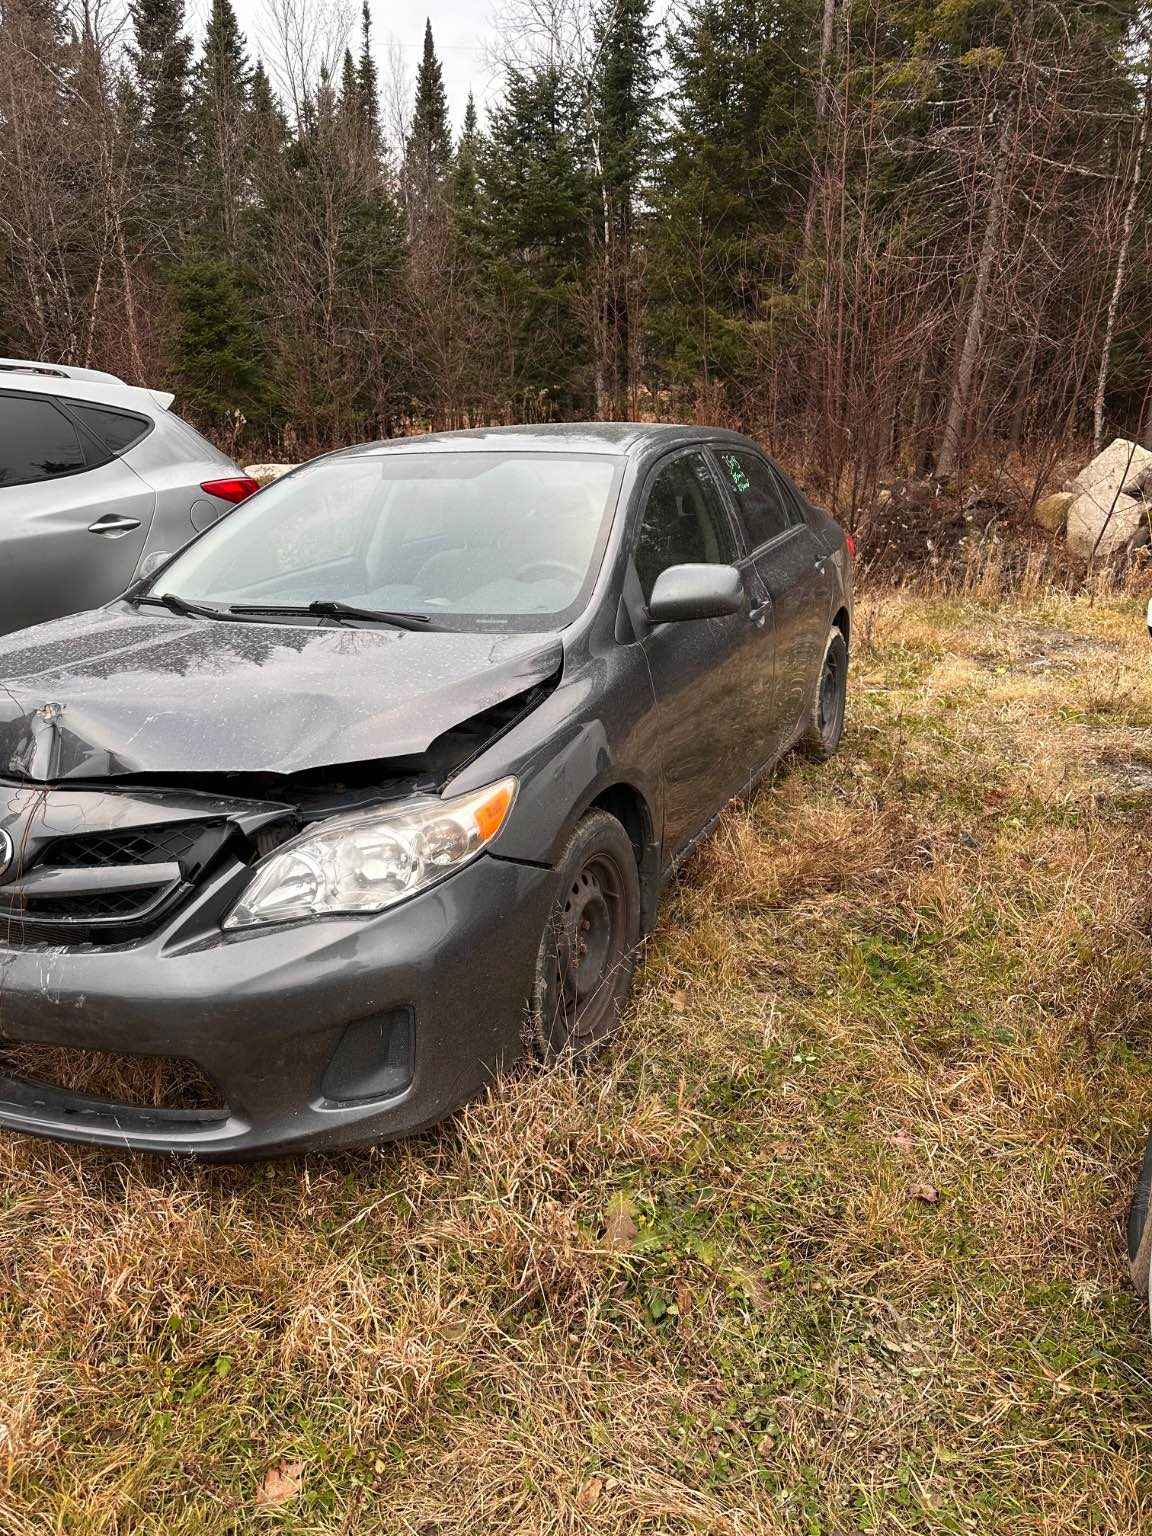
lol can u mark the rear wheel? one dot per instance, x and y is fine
(825, 724)
(588, 949)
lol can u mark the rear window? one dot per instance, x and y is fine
(115, 431)
(764, 508)
(37, 442)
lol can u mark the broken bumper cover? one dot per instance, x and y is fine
(286, 1020)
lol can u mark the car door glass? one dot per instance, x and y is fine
(37, 442)
(684, 522)
(763, 510)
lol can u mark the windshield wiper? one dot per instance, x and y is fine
(178, 605)
(329, 608)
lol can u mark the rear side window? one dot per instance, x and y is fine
(115, 431)
(759, 495)
(37, 442)
(684, 521)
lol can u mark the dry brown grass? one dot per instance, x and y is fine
(919, 971)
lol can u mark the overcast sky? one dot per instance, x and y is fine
(463, 30)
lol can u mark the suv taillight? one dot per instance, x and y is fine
(232, 488)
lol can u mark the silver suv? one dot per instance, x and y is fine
(97, 480)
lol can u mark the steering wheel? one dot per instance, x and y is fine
(545, 568)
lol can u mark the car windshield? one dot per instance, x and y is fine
(472, 540)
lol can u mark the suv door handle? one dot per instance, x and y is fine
(112, 527)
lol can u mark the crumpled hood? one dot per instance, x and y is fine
(104, 693)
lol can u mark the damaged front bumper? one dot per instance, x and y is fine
(317, 1034)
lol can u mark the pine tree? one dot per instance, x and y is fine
(219, 351)
(466, 169)
(369, 82)
(360, 106)
(536, 209)
(350, 99)
(428, 151)
(161, 57)
(267, 122)
(222, 85)
(734, 170)
(625, 115)
(626, 100)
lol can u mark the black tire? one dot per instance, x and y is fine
(825, 724)
(1139, 1231)
(587, 952)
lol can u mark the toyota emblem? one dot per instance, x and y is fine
(7, 852)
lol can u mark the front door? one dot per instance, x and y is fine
(70, 535)
(704, 670)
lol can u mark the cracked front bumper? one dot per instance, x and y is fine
(263, 1013)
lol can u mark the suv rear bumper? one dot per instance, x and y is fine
(262, 1013)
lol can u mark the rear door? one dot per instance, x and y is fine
(73, 518)
(791, 563)
(702, 670)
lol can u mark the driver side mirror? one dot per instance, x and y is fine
(696, 592)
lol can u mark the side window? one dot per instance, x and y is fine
(760, 496)
(684, 521)
(794, 500)
(115, 431)
(37, 442)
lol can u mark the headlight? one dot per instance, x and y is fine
(369, 860)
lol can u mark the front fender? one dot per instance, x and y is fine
(565, 755)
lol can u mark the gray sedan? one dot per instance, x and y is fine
(378, 782)
(98, 479)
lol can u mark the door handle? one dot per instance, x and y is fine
(112, 527)
(759, 614)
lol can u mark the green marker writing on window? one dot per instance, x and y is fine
(739, 479)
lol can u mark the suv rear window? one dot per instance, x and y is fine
(37, 442)
(115, 431)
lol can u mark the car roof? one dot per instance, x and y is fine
(627, 438)
(80, 384)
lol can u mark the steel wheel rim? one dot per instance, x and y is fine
(590, 945)
(831, 694)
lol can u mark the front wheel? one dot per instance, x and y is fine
(588, 949)
(825, 725)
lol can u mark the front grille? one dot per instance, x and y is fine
(95, 908)
(118, 1078)
(137, 845)
(107, 887)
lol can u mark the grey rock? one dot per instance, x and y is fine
(1103, 522)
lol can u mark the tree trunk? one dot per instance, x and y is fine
(953, 435)
(823, 95)
(1121, 266)
(130, 321)
(1024, 389)
(827, 33)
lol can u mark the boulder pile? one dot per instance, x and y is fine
(1106, 509)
